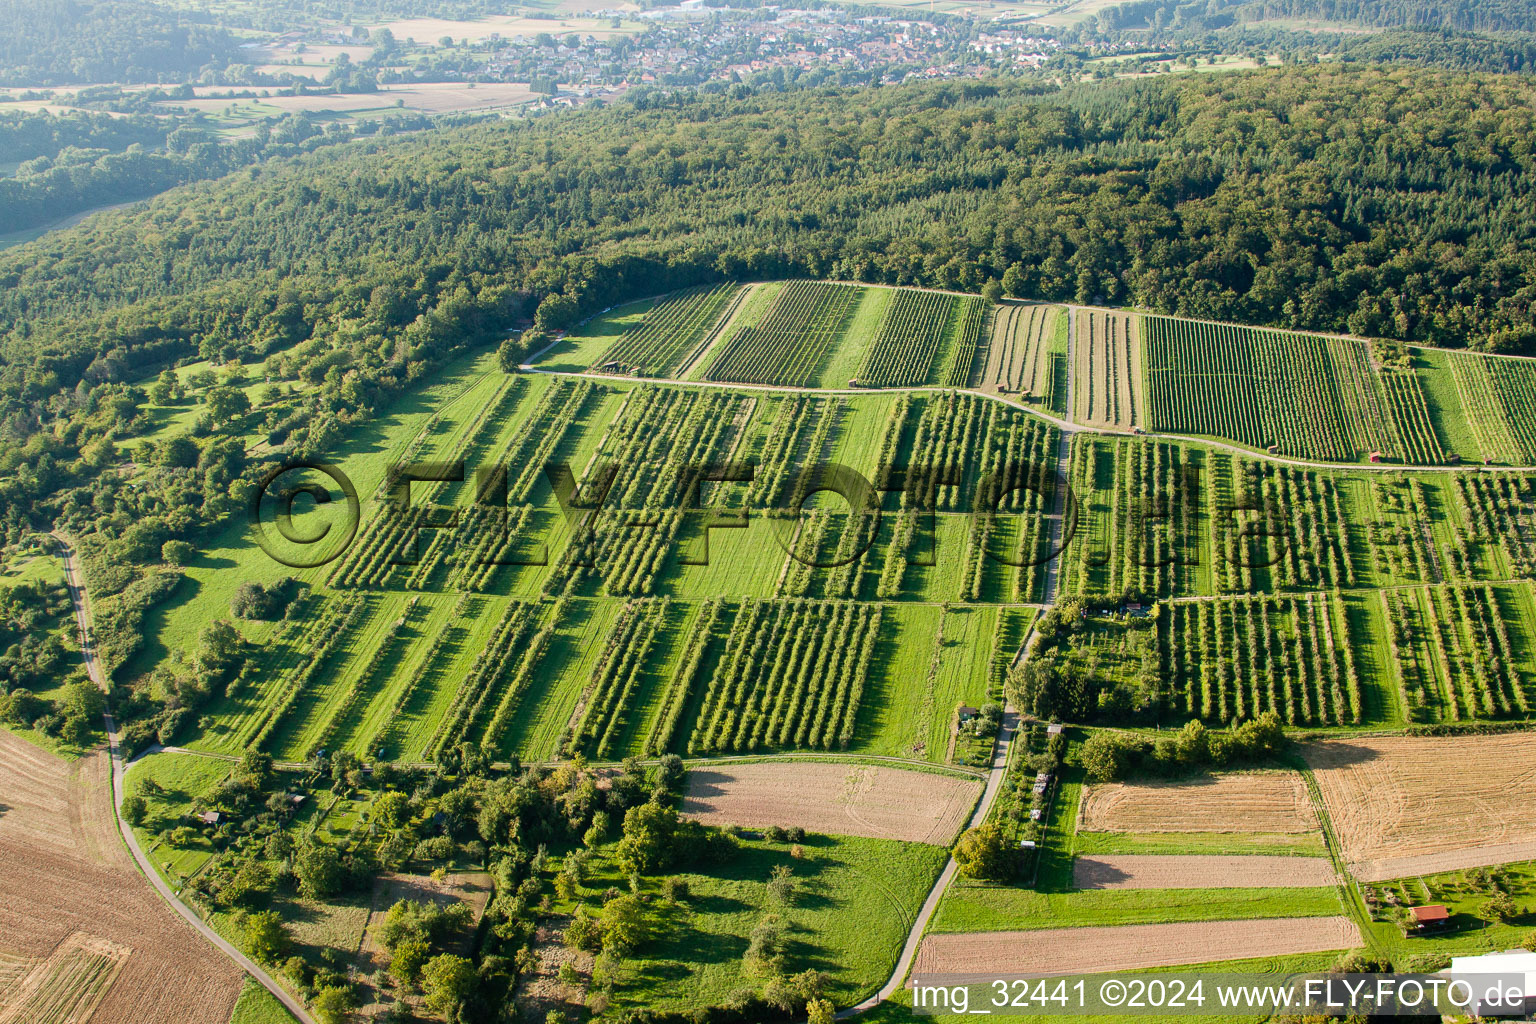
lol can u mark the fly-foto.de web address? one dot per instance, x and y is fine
(1194, 993)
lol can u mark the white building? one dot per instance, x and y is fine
(1512, 968)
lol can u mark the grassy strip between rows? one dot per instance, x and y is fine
(985, 908)
(1217, 844)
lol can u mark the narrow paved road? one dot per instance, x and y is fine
(119, 769)
(1010, 727)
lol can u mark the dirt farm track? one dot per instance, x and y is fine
(78, 924)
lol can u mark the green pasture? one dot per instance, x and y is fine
(1214, 844)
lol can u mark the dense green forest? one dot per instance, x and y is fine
(70, 163)
(54, 43)
(31, 134)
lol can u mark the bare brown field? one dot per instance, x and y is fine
(1128, 947)
(1272, 802)
(430, 30)
(1106, 377)
(429, 97)
(1409, 805)
(1159, 871)
(68, 872)
(1017, 360)
(854, 800)
(321, 55)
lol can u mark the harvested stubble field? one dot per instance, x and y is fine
(1410, 805)
(67, 872)
(1155, 871)
(506, 26)
(1107, 388)
(66, 986)
(427, 97)
(1019, 356)
(852, 800)
(1270, 802)
(1128, 947)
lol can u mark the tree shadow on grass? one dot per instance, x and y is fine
(691, 945)
(718, 905)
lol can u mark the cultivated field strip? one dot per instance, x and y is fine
(1164, 519)
(1141, 534)
(877, 802)
(423, 677)
(1128, 947)
(613, 690)
(1417, 442)
(1417, 805)
(1302, 395)
(669, 331)
(1176, 871)
(484, 702)
(1107, 377)
(398, 547)
(1489, 420)
(309, 652)
(347, 715)
(792, 675)
(664, 728)
(1019, 353)
(295, 733)
(1271, 802)
(790, 345)
(646, 467)
(1286, 524)
(970, 324)
(1499, 511)
(1499, 398)
(798, 429)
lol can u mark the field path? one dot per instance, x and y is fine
(1001, 748)
(82, 604)
(1010, 726)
